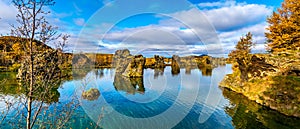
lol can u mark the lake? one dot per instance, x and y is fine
(191, 99)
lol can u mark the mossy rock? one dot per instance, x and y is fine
(91, 94)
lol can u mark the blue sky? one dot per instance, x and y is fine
(155, 26)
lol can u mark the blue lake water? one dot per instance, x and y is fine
(190, 100)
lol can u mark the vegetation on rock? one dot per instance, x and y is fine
(271, 79)
(91, 94)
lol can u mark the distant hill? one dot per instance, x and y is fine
(13, 49)
(7, 43)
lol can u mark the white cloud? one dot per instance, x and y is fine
(217, 4)
(8, 11)
(237, 15)
(79, 21)
(7, 16)
(153, 34)
(230, 38)
(230, 19)
(149, 38)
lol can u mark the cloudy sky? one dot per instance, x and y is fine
(155, 26)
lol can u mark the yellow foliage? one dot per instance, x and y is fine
(284, 29)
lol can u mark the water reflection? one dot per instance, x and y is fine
(158, 72)
(206, 71)
(136, 85)
(99, 73)
(129, 85)
(46, 103)
(161, 94)
(9, 85)
(249, 114)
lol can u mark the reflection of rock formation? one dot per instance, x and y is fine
(91, 94)
(99, 73)
(129, 85)
(188, 70)
(206, 71)
(80, 73)
(128, 65)
(158, 72)
(174, 65)
(254, 115)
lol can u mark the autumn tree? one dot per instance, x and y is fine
(40, 71)
(242, 48)
(284, 27)
(241, 56)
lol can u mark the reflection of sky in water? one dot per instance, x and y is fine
(172, 96)
(160, 95)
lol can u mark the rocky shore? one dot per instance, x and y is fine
(272, 80)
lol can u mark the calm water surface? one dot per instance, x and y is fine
(188, 100)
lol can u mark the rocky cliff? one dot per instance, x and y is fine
(272, 80)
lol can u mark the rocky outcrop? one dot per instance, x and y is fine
(269, 79)
(174, 65)
(101, 60)
(200, 61)
(128, 65)
(188, 61)
(159, 61)
(81, 61)
(119, 57)
(204, 63)
(135, 68)
(155, 62)
(91, 94)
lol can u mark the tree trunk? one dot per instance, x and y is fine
(29, 100)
